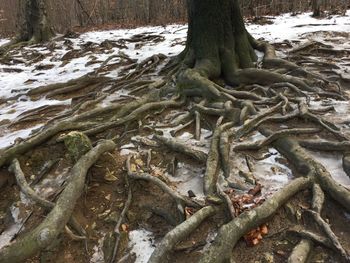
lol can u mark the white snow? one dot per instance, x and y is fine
(188, 177)
(98, 255)
(11, 231)
(12, 83)
(142, 244)
(333, 163)
(3, 41)
(271, 173)
(288, 27)
(9, 139)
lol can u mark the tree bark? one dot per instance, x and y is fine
(316, 8)
(35, 26)
(217, 40)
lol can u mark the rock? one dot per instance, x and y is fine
(77, 144)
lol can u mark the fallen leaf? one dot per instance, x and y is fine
(139, 162)
(133, 167)
(110, 177)
(264, 230)
(125, 228)
(189, 212)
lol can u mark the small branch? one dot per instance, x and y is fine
(328, 231)
(147, 177)
(121, 219)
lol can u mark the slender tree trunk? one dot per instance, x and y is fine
(35, 24)
(217, 41)
(316, 8)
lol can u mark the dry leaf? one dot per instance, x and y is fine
(125, 228)
(256, 235)
(110, 177)
(133, 167)
(139, 162)
(189, 212)
(264, 230)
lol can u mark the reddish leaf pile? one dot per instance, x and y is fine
(245, 202)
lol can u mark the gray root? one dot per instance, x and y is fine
(301, 252)
(328, 231)
(44, 234)
(274, 137)
(174, 145)
(147, 177)
(229, 234)
(213, 164)
(121, 219)
(179, 233)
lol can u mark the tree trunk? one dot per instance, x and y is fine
(217, 40)
(316, 8)
(35, 26)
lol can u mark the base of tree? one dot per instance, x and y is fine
(277, 93)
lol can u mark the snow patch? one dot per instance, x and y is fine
(142, 244)
(333, 163)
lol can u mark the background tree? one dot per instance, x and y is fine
(316, 8)
(35, 25)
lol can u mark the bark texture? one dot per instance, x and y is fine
(217, 41)
(35, 25)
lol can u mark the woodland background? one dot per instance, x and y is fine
(72, 14)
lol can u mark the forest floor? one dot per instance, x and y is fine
(31, 98)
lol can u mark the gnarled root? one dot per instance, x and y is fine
(179, 233)
(229, 234)
(44, 234)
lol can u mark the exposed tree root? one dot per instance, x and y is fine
(279, 94)
(229, 234)
(147, 177)
(121, 218)
(44, 234)
(39, 138)
(301, 252)
(274, 137)
(182, 148)
(180, 232)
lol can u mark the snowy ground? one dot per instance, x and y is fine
(285, 27)
(30, 76)
(13, 83)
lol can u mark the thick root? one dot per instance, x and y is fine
(229, 234)
(44, 234)
(179, 233)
